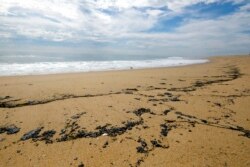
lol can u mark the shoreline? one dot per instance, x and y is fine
(209, 60)
(107, 70)
(179, 116)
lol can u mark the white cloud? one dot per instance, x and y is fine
(58, 8)
(121, 22)
(84, 17)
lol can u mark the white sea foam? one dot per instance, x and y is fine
(10, 69)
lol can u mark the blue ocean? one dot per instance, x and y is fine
(12, 65)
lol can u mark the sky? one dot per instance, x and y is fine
(186, 28)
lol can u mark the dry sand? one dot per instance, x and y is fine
(184, 116)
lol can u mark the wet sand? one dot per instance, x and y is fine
(194, 115)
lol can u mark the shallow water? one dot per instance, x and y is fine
(10, 69)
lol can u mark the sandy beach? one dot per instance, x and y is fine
(195, 115)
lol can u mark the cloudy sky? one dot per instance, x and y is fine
(125, 27)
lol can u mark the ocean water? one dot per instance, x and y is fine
(12, 66)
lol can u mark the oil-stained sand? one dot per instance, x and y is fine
(185, 116)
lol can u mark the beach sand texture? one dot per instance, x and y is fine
(196, 115)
